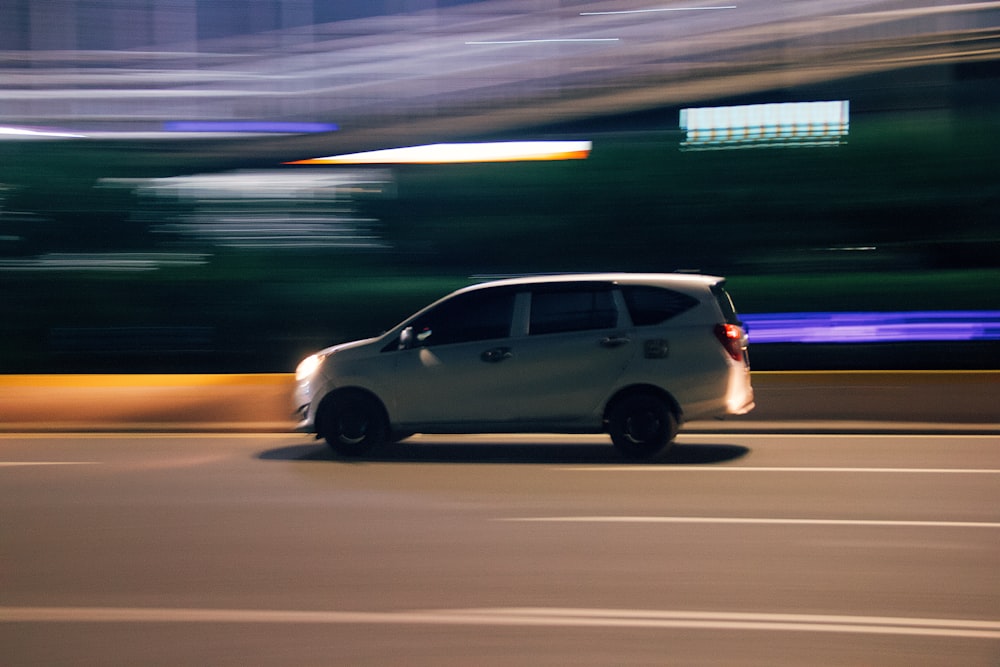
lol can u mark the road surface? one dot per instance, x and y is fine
(745, 549)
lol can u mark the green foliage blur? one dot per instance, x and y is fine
(903, 216)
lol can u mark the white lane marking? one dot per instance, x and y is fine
(750, 521)
(680, 467)
(528, 616)
(15, 464)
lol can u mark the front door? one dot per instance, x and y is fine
(457, 368)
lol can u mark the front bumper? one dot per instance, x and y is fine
(304, 421)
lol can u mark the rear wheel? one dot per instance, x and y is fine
(352, 424)
(641, 425)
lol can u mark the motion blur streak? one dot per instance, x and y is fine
(384, 70)
(500, 151)
(873, 327)
(35, 133)
(246, 126)
(657, 9)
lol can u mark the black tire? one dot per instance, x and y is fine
(641, 426)
(352, 424)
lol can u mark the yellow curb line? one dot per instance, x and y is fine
(150, 380)
(153, 427)
(288, 379)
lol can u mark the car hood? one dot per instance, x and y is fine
(341, 347)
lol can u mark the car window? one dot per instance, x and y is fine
(654, 305)
(473, 316)
(725, 304)
(557, 311)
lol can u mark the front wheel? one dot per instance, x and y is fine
(352, 424)
(641, 426)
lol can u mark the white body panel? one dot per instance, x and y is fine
(560, 381)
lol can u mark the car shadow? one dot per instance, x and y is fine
(509, 453)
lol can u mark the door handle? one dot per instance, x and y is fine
(615, 341)
(496, 355)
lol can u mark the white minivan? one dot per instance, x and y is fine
(633, 355)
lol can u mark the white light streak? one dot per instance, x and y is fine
(28, 133)
(657, 9)
(501, 151)
(579, 40)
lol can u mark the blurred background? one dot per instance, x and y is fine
(199, 185)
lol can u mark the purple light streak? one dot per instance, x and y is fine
(958, 325)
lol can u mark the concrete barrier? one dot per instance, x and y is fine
(891, 396)
(262, 402)
(250, 402)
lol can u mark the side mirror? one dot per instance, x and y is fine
(406, 338)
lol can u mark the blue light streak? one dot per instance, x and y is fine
(869, 327)
(247, 126)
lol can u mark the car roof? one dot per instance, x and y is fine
(679, 280)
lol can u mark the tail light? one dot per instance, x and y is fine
(732, 338)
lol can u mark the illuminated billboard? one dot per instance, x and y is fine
(765, 125)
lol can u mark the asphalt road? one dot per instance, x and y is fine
(734, 549)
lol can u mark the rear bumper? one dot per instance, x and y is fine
(739, 394)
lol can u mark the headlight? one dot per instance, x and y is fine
(308, 366)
